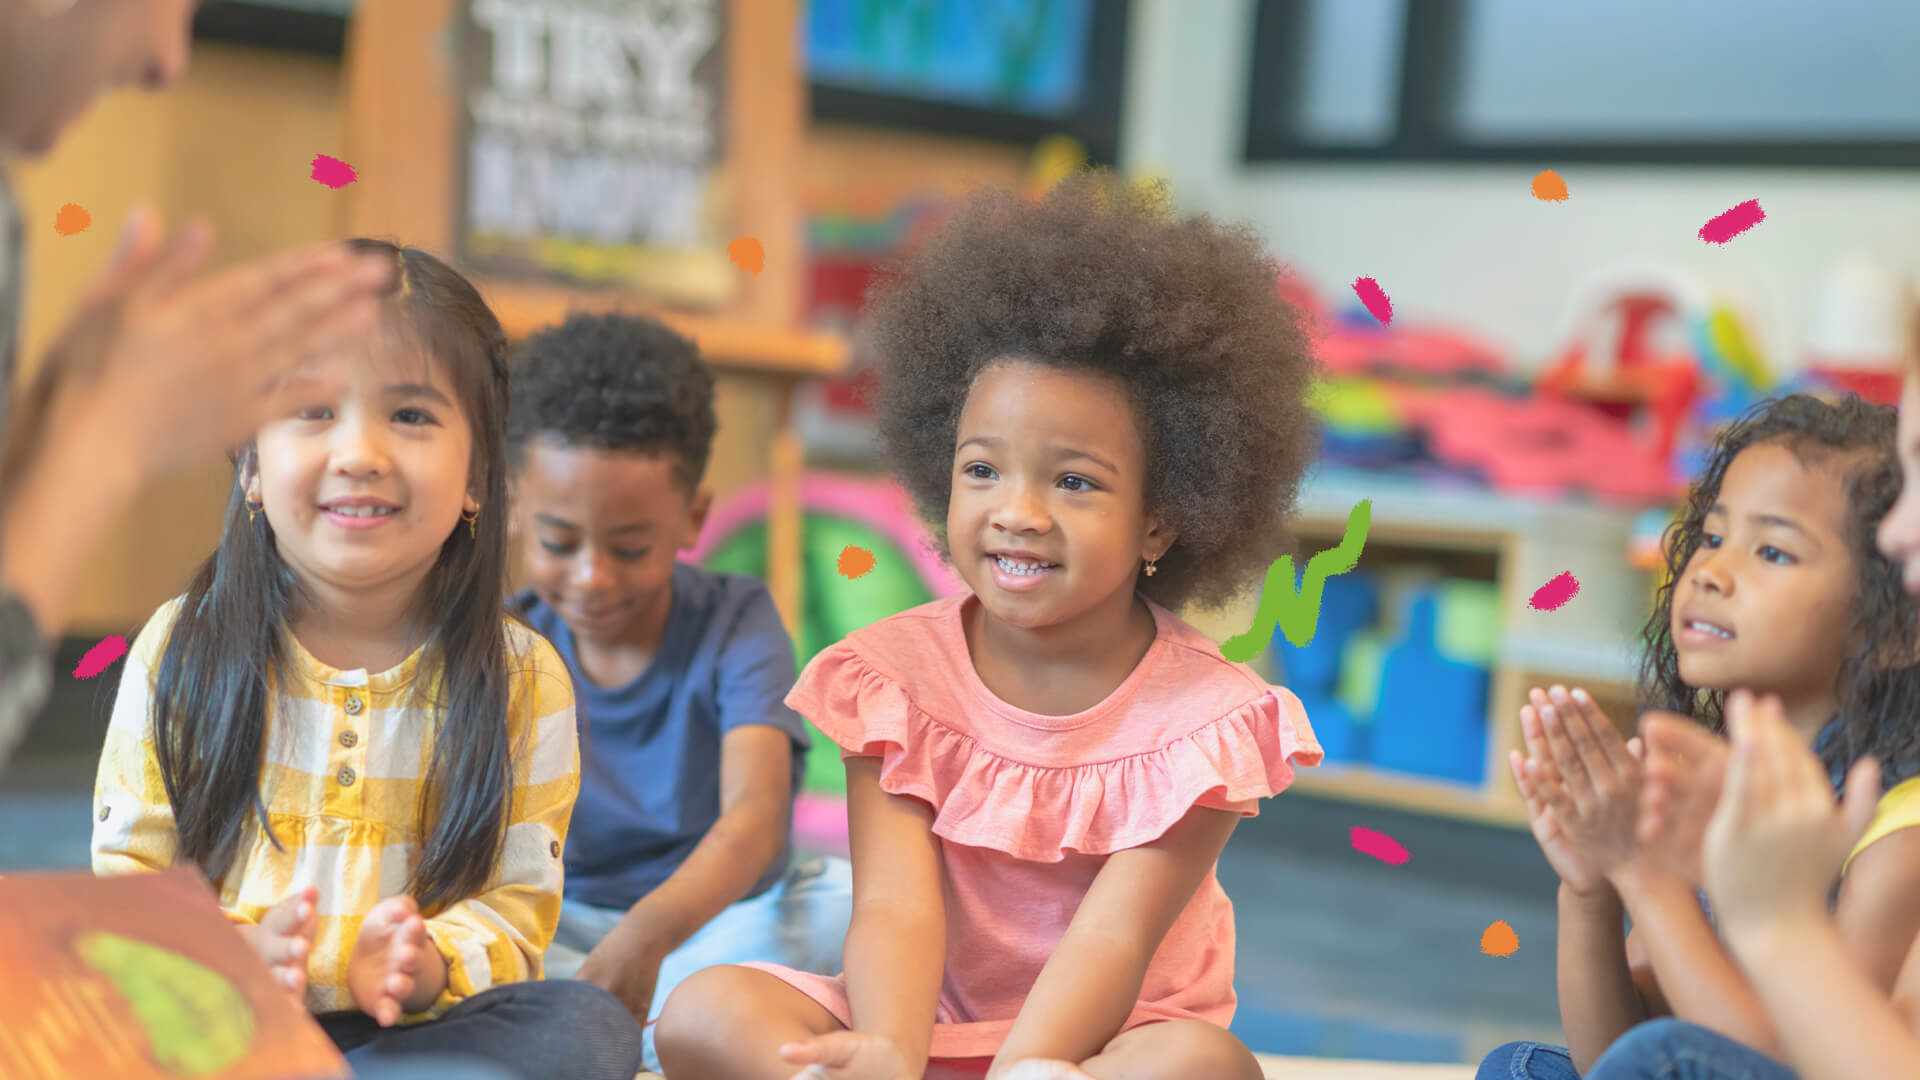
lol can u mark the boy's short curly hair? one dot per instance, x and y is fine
(1100, 276)
(614, 382)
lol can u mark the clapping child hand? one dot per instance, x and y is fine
(1778, 840)
(1686, 770)
(385, 965)
(284, 938)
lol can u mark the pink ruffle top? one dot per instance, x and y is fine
(1027, 807)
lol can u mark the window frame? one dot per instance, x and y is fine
(1430, 57)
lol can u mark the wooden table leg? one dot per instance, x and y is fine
(786, 579)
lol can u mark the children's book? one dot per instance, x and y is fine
(141, 977)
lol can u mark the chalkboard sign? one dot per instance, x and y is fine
(592, 145)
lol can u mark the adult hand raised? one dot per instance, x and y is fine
(168, 369)
(157, 370)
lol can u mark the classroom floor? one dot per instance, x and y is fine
(1340, 955)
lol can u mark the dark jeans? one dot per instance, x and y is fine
(526, 1030)
(1663, 1049)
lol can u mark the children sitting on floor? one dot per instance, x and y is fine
(679, 854)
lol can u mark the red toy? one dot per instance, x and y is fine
(1667, 385)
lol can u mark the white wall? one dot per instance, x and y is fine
(1469, 245)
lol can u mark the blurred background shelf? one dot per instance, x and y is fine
(1516, 544)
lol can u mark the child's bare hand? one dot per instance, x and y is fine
(1778, 841)
(1686, 769)
(1541, 786)
(386, 958)
(284, 938)
(1537, 785)
(1597, 798)
(847, 1055)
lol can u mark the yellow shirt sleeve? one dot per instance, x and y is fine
(1899, 809)
(133, 827)
(500, 935)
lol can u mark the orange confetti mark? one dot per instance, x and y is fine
(855, 561)
(72, 219)
(1549, 187)
(1499, 940)
(747, 254)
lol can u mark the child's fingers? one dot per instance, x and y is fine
(1594, 732)
(1529, 791)
(398, 986)
(1553, 795)
(1572, 771)
(1517, 764)
(1531, 734)
(403, 951)
(390, 914)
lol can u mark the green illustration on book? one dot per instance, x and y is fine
(197, 1023)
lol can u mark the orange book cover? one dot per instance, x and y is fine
(141, 977)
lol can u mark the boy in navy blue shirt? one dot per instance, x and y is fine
(678, 856)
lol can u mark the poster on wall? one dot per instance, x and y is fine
(1007, 70)
(592, 145)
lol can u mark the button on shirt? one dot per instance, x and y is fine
(344, 758)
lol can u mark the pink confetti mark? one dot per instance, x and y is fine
(1379, 845)
(1555, 593)
(101, 657)
(1370, 294)
(1734, 222)
(333, 172)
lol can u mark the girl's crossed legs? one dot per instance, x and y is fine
(730, 1022)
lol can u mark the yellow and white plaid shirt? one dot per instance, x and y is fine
(345, 755)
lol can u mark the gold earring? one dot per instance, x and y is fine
(1150, 567)
(472, 531)
(253, 511)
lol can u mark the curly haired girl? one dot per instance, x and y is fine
(1101, 409)
(1774, 585)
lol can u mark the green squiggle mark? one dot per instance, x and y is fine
(1297, 611)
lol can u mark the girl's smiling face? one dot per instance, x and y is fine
(1766, 601)
(364, 486)
(1047, 520)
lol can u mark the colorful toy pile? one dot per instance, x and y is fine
(1627, 430)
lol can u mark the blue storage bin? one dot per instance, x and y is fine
(1348, 604)
(1432, 717)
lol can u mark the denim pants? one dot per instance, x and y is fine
(1664, 1049)
(519, 1031)
(801, 922)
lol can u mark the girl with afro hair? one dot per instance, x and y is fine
(1100, 409)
